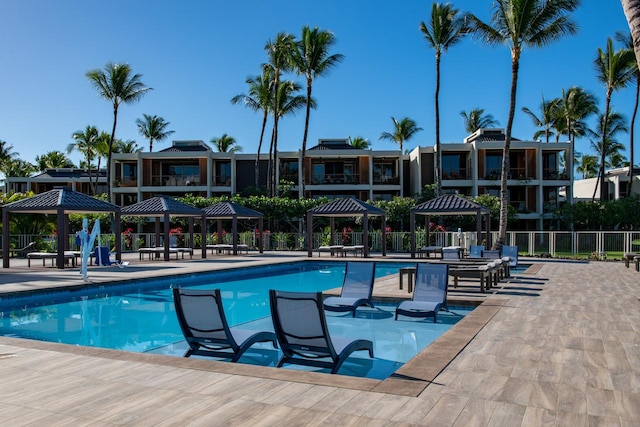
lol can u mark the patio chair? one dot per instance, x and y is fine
(301, 328)
(475, 251)
(491, 254)
(429, 294)
(21, 253)
(512, 253)
(450, 253)
(356, 288)
(205, 328)
(101, 255)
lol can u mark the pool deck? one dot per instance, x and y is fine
(557, 345)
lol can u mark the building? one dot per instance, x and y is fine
(76, 179)
(616, 183)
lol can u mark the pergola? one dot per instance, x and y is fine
(449, 204)
(231, 211)
(347, 207)
(61, 202)
(166, 207)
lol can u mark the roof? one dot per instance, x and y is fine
(488, 135)
(70, 173)
(333, 144)
(450, 204)
(346, 207)
(60, 199)
(187, 146)
(161, 205)
(230, 210)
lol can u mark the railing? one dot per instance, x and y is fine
(334, 178)
(579, 244)
(460, 173)
(174, 180)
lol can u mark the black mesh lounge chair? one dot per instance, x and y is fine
(356, 288)
(205, 326)
(429, 294)
(301, 327)
(22, 253)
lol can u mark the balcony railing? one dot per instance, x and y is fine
(455, 174)
(554, 174)
(174, 180)
(386, 180)
(335, 178)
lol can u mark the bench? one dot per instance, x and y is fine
(332, 249)
(428, 250)
(157, 252)
(53, 256)
(227, 248)
(352, 249)
(629, 257)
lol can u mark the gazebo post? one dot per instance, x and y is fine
(234, 233)
(203, 231)
(167, 228)
(384, 235)
(191, 230)
(157, 230)
(365, 225)
(479, 227)
(412, 227)
(65, 233)
(5, 239)
(309, 235)
(332, 224)
(219, 231)
(260, 235)
(59, 237)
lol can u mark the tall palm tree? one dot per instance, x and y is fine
(588, 166)
(85, 142)
(403, 130)
(15, 167)
(226, 144)
(549, 114)
(359, 142)
(6, 151)
(477, 119)
(279, 55)
(614, 69)
(632, 13)
(154, 128)
(446, 28)
(116, 84)
(520, 24)
(53, 160)
(102, 152)
(126, 146)
(625, 39)
(259, 98)
(605, 135)
(312, 58)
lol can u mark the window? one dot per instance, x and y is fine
(385, 173)
(223, 173)
(289, 171)
(493, 165)
(453, 167)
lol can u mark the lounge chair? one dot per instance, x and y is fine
(475, 251)
(450, 253)
(356, 288)
(101, 255)
(205, 328)
(21, 253)
(512, 253)
(301, 328)
(491, 254)
(429, 294)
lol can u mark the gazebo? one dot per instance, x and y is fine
(449, 204)
(61, 202)
(347, 207)
(166, 207)
(231, 211)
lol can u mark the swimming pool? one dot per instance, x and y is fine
(140, 316)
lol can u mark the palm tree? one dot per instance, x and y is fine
(6, 151)
(549, 114)
(615, 69)
(127, 146)
(403, 130)
(477, 119)
(258, 99)
(15, 167)
(279, 54)
(446, 28)
(154, 128)
(53, 160)
(85, 141)
(359, 142)
(625, 39)
(226, 144)
(520, 24)
(588, 166)
(116, 84)
(632, 13)
(102, 152)
(616, 123)
(312, 58)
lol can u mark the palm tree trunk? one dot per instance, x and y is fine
(306, 130)
(113, 136)
(274, 138)
(257, 166)
(631, 137)
(632, 12)
(603, 149)
(437, 108)
(270, 166)
(504, 200)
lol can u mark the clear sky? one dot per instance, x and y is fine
(197, 54)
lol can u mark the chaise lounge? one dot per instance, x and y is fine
(429, 294)
(357, 288)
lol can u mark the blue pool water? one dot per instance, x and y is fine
(140, 316)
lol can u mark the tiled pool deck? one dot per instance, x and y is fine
(558, 345)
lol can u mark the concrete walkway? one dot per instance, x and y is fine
(561, 348)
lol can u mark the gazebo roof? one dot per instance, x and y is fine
(161, 205)
(346, 207)
(60, 198)
(228, 210)
(449, 204)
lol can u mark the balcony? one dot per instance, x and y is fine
(386, 180)
(335, 178)
(175, 180)
(554, 174)
(454, 174)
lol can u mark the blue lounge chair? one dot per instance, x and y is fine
(101, 255)
(356, 288)
(512, 253)
(430, 292)
(450, 253)
(475, 251)
(205, 328)
(303, 335)
(491, 254)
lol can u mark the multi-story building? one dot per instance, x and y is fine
(616, 183)
(474, 167)
(333, 168)
(77, 179)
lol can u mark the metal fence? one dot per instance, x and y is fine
(580, 244)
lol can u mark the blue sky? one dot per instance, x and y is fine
(197, 54)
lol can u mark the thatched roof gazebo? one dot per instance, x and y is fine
(347, 207)
(449, 204)
(231, 211)
(166, 207)
(61, 202)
